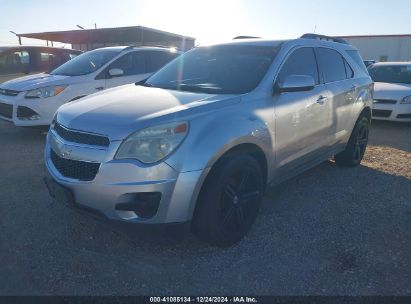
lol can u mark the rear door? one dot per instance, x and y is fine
(134, 66)
(302, 119)
(337, 75)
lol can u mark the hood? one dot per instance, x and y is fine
(394, 91)
(34, 81)
(120, 111)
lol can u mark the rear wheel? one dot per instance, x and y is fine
(229, 201)
(354, 152)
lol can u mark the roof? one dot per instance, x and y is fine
(9, 47)
(377, 36)
(108, 35)
(251, 41)
(124, 48)
(298, 41)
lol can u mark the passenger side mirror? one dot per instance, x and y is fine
(295, 83)
(116, 72)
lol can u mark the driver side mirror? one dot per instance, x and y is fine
(295, 83)
(115, 73)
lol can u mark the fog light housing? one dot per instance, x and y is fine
(144, 205)
(25, 113)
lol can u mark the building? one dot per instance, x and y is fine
(382, 47)
(89, 39)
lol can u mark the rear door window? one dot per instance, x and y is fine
(331, 64)
(49, 60)
(301, 62)
(348, 70)
(355, 55)
(158, 59)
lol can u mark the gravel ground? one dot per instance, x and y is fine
(329, 231)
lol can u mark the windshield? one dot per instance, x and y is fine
(391, 73)
(85, 63)
(226, 69)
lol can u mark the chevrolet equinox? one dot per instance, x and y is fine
(199, 141)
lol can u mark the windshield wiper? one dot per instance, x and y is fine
(143, 83)
(198, 88)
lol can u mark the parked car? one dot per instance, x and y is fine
(17, 61)
(392, 91)
(33, 100)
(202, 138)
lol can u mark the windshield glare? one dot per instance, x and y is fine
(85, 63)
(391, 73)
(228, 69)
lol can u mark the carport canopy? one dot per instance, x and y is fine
(109, 35)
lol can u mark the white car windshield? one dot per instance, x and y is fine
(85, 63)
(226, 69)
(391, 73)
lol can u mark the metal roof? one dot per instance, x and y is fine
(108, 35)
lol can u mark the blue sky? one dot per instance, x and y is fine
(212, 20)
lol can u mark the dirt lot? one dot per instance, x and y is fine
(330, 231)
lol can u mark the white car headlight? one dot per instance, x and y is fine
(45, 92)
(153, 144)
(406, 99)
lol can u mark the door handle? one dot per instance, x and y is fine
(321, 100)
(100, 88)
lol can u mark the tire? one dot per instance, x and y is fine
(356, 146)
(229, 201)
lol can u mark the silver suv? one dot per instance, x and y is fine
(202, 138)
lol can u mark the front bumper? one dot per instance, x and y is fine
(117, 181)
(392, 112)
(28, 112)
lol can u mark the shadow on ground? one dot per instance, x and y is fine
(330, 231)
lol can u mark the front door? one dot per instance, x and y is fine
(134, 67)
(302, 119)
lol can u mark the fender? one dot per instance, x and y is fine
(209, 139)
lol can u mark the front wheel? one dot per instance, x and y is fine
(229, 201)
(354, 152)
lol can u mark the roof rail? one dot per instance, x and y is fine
(323, 37)
(245, 37)
(128, 48)
(159, 46)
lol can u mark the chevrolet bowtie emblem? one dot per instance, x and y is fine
(65, 152)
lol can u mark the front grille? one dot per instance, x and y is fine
(75, 169)
(6, 110)
(404, 115)
(9, 92)
(80, 137)
(385, 101)
(381, 113)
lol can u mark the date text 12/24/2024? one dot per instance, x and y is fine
(203, 300)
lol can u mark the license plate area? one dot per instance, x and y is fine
(59, 193)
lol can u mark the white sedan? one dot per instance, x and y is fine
(392, 91)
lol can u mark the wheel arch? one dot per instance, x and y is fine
(365, 112)
(248, 148)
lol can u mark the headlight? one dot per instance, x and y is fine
(45, 92)
(153, 144)
(406, 99)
